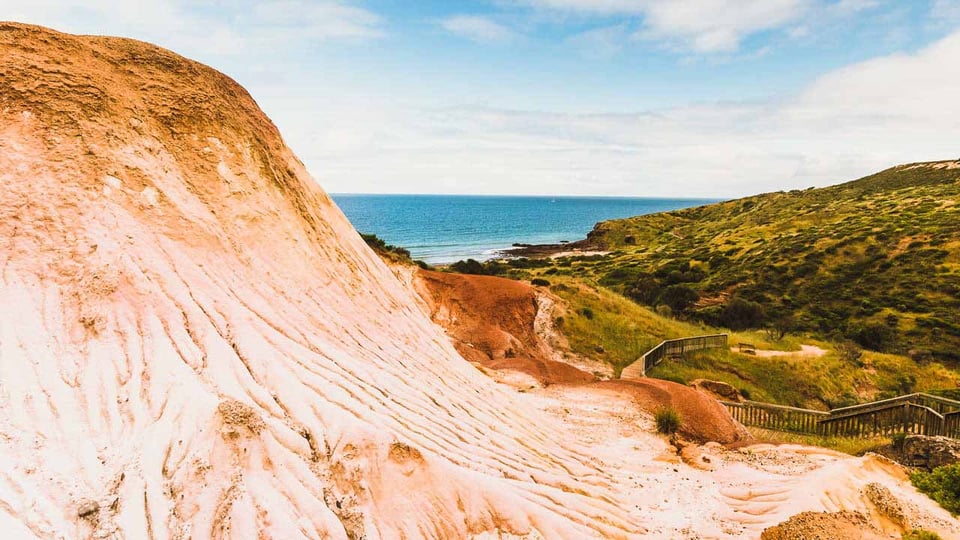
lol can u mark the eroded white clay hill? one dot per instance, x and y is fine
(195, 343)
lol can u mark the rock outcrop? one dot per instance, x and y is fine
(927, 452)
(195, 342)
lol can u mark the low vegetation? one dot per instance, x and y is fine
(875, 261)
(605, 326)
(920, 534)
(855, 446)
(390, 252)
(942, 485)
(668, 420)
(868, 270)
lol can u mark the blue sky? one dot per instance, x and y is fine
(607, 97)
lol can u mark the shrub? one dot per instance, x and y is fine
(679, 297)
(941, 485)
(587, 312)
(539, 282)
(668, 420)
(644, 290)
(664, 310)
(849, 352)
(469, 266)
(740, 314)
(897, 440)
(876, 337)
(920, 534)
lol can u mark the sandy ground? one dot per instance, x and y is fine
(808, 351)
(714, 492)
(747, 489)
(577, 253)
(195, 343)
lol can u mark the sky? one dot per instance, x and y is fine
(655, 98)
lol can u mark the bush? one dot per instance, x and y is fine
(740, 314)
(469, 266)
(897, 440)
(668, 420)
(876, 337)
(664, 310)
(941, 485)
(539, 282)
(644, 290)
(587, 312)
(679, 297)
(849, 352)
(920, 534)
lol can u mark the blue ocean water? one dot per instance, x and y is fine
(447, 228)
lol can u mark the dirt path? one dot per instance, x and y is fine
(809, 351)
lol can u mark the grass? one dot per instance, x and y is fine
(855, 446)
(942, 485)
(920, 534)
(875, 261)
(668, 420)
(603, 325)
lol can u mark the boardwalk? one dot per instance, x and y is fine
(919, 414)
(672, 347)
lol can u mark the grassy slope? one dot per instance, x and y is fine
(881, 251)
(875, 260)
(606, 326)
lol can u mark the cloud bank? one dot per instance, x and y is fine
(848, 123)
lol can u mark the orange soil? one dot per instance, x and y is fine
(491, 322)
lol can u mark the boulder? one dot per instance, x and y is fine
(929, 452)
(719, 390)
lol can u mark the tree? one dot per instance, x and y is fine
(679, 297)
(876, 337)
(740, 314)
(644, 290)
(781, 326)
(469, 266)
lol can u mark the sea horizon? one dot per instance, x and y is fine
(442, 228)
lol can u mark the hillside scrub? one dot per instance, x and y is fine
(875, 261)
(605, 326)
(942, 485)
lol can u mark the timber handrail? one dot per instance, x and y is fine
(654, 356)
(918, 413)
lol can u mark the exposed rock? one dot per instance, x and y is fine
(88, 508)
(717, 389)
(886, 504)
(194, 335)
(824, 526)
(926, 452)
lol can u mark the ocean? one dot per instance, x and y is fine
(442, 229)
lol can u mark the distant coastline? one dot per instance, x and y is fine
(442, 229)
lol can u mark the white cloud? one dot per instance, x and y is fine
(848, 123)
(602, 42)
(705, 26)
(204, 29)
(945, 11)
(477, 28)
(312, 20)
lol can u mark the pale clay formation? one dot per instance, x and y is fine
(195, 343)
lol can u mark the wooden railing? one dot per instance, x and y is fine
(919, 414)
(672, 347)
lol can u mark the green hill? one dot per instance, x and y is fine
(875, 261)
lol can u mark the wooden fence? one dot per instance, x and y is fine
(919, 414)
(672, 347)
